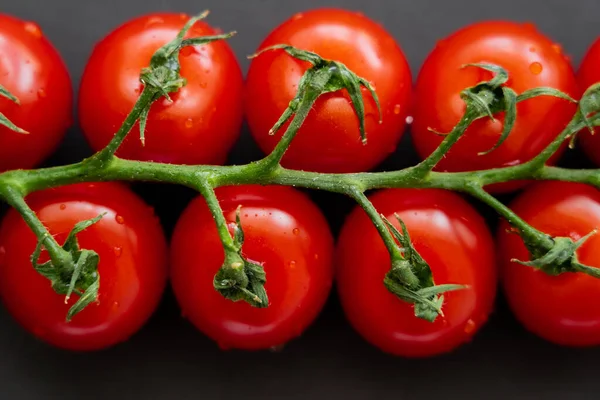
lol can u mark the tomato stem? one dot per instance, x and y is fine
(241, 279)
(15, 199)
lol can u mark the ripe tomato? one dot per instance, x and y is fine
(285, 232)
(452, 238)
(33, 71)
(587, 75)
(132, 250)
(530, 58)
(202, 123)
(561, 309)
(329, 140)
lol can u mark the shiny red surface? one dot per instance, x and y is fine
(329, 140)
(287, 234)
(563, 309)
(33, 71)
(531, 59)
(132, 250)
(452, 238)
(201, 124)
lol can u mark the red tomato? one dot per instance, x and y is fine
(329, 140)
(587, 75)
(452, 238)
(33, 71)
(132, 250)
(287, 234)
(202, 123)
(531, 59)
(561, 309)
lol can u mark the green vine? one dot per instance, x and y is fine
(72, 270)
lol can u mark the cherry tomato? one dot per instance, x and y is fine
(452, 238)
(202, 123)
(133, 272)
(287, 234)
(33, 71)
(587, 75)
(531, 59)
(561, 309)
(329, 140)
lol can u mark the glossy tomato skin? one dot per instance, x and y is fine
(588, 75)
(202, 123)
(285, 232)
(133, 272)
(452, 238)
(561, 309)
(531, 59)
(33, 71)
(329, 140)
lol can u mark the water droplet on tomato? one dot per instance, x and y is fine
(118, 251)
(297, 16)
(41, 93)
(409, 120)
(154, 21)
(33, 29)
(189, 123)
(115, 305)
(187, 51)
(316, 256)
(536, 68)
(292, 264)
(397, 108)
(470, 327)
(2, 253)
(120, 220)
(296, 231)
(62, 206)
(183, 17)
(557, 48)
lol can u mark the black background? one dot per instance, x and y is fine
(170, 359)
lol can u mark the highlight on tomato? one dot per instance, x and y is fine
(31, 70)
(587, 75)
(133, 271)
(452, 238)
(202, 122)
(284, 232)
(560, 308)
(531, 59)
(330, 139)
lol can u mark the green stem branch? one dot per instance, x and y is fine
(16, 200)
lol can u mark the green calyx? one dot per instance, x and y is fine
(560, 258)
(163, 75)
(4, 121)
(325, 76)
(411, 280)
(489, 98)
(76, 272)
(238, 278)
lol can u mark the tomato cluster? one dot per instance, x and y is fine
(284, 231)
